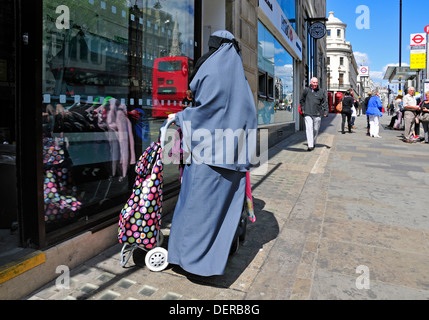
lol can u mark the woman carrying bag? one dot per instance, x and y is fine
(374, 113)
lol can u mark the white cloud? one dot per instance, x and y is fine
(377, 76)
(362, 59)
(403, 64)
(285, 71)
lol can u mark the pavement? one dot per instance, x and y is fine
(347, 221)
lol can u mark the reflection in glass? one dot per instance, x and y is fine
(98, 76)
(289, 8)
(275, 82)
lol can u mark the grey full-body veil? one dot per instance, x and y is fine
(219, 141)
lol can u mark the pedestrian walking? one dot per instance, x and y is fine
(354, 114)
(410, 108)
(358, 107)
(211, 199)
(365, 106)
(416, 131)
(397, 109)
(346, 112)
(313, 106)
(424, 111)
(365, 102)
(374, 113)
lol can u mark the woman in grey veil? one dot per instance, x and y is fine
(219, 140)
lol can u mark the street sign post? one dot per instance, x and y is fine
(427, 57)
(364, 71)
(418, 50)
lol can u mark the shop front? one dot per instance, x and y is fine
(112, 72)
(85, 87)
(279, 51)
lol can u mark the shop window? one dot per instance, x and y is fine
(275, 80)
(99, 89)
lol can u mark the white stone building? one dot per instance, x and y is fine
(342, 68)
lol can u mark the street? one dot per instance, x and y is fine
(347, 221)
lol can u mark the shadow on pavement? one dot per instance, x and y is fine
(264, 230)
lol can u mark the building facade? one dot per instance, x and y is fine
(342, 68)
(68, 171)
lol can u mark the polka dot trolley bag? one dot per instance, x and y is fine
(140, 218)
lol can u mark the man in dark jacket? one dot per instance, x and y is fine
(313, 106)
(348, 102)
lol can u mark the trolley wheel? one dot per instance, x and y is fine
(156, 259)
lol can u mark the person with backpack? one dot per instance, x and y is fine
(346, 111)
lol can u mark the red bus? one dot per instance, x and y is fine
(170, 82)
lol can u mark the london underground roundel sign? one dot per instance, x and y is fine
(364, 71)
(418, 39)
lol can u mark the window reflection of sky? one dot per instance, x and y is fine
(183, 13)
(277, 62)
(284, 68)
(273, 58)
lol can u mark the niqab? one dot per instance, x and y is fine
(224, 108)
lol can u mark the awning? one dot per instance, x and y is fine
(395, 74)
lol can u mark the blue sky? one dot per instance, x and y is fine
(379, 45)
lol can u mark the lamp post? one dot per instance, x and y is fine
(400, 33)
(400, 40)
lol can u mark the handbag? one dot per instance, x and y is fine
(339, 107)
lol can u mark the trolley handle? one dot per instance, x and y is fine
(163, 131)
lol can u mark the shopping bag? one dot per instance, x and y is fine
(140, 218)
